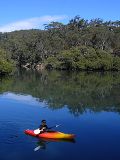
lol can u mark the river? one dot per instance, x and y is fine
(86, 104)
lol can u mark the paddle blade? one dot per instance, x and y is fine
(37, 131)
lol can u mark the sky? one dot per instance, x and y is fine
(32, 14)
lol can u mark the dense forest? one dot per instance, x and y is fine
(78, 45)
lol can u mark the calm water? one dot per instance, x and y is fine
(86, 104)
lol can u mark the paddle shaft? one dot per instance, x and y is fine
(38, 130)
(57, 125)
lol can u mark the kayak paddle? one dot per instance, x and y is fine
(37, 131)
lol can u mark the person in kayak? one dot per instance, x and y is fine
(43, 127)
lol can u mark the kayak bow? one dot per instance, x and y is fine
(50, 134)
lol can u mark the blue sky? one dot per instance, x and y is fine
(27, 14)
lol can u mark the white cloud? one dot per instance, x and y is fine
(32, 23)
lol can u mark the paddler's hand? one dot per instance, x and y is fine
(43, 129)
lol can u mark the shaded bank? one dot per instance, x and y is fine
(77, 91)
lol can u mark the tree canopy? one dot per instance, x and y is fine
(79, 45)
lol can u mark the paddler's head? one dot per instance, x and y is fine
(43, 122)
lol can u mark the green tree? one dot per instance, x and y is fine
(6, 65)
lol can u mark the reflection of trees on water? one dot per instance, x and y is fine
(78, 91)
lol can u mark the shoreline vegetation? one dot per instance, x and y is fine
(79, 45)
(6, 64)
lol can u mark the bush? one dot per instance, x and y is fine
(84, 58)
(6, 65)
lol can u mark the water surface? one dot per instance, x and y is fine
(86, 104)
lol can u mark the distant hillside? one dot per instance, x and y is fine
(78, 45)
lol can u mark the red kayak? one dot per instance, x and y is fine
(50, 134)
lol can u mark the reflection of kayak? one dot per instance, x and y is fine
(43, 142)
(50, 134)
(72, 140)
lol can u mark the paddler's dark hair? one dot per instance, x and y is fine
(43, 121)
